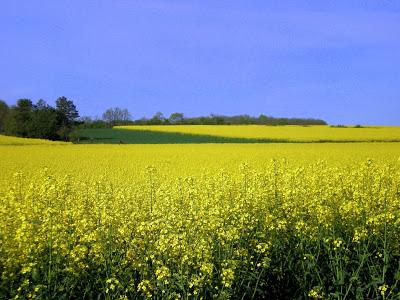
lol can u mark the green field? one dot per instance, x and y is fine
(127, 136)
(183, 134)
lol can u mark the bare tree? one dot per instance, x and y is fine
(116, 115)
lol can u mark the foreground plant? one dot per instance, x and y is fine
(297, 232)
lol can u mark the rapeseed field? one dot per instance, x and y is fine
(14, 141)
(289, 133)
(231, 221)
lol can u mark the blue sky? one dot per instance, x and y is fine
(336, 60)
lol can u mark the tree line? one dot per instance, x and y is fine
(118, 116)
(41, 120)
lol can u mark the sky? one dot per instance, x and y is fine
(336, 60)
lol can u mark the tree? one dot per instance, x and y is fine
(66, 112)
(116, 115)
(66, 116)
(157, 119)
(19, 118)
(217, 119)
(4, 109)
(176, 118)
(44, 121)
(263, 119)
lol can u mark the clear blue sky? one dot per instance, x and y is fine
(337, 60)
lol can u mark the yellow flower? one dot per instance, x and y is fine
(382, 289)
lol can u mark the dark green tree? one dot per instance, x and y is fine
(176, 118)
(4, 109)
(19, 118)
(44, 121)
(157, 119)
(66, 111)
(66, 116)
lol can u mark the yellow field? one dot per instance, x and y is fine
(284, 133)
(205, 221)
(129, 161)
(10, 140)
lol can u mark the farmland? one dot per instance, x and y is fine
(200, 150)
(200, 134)
(282, 133)
(203, 220)
(15, 141)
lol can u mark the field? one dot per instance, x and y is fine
(281, 133)
(203, 221)
(15, 141)
(189, 134)
(141, 136)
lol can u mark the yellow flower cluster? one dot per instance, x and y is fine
(278, 229)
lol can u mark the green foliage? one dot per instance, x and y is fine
(3, 114)
(74, 137)
(176, 118)
(157, 119)
(88, 122)
(66, 112)
(41, 120)
(214, 119)
(19, 119)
